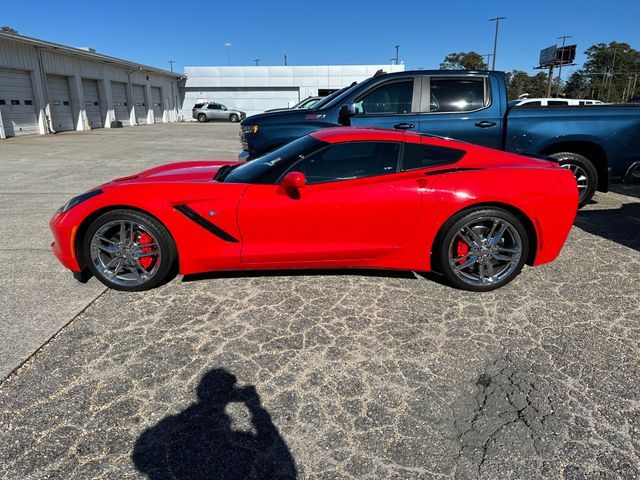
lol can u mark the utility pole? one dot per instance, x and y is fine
(488, 55)
(613, 64)
(284, 59)
(495, 39)
(257, 60)
(171, 62)
(397, 48)
(227, 45)
(564, 39)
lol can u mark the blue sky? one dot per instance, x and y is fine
(326, 32)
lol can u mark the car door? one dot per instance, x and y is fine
(355, 205)
(461, 107)
(391, 104)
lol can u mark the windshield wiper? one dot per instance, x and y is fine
(224, 170)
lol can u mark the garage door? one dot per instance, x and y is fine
(156, 101)
(139, 104)
(121, 107)
(17, 107)
(60, 103)
(92, 102)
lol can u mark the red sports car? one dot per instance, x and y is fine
(339, 197)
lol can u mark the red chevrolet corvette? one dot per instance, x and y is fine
(339, 197)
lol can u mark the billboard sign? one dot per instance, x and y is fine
(548, 56)
(565, 55)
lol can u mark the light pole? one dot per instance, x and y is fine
(257, 60)
(397, 48)
(488, 55)
(227, 45)
(495, 39)
(171, 62)
(564, 39)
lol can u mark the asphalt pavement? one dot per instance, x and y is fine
(325, 375)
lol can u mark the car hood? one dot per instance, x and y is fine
(281, 116)
(180, 172)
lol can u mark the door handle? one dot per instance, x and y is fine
(485, 124)
(404, 126)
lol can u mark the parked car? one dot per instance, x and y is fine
(339, 197)
(308, 102)
(592, 141)
(552, 102)
(216, 111)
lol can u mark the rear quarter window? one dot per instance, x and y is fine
(424, 156)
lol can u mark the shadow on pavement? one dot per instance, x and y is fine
(629, 189)
(199, 442)
(621, 225)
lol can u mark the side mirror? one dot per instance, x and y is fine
(345, 114)
(294, 180)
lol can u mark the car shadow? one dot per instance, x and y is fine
(631, 189)
(199, 442)
(364, 272)
(621, 225)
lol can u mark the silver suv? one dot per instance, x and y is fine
(215, 111)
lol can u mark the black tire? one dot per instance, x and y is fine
(234, 118)
(449, 232)
(202, 118)
(167, 259)
(581, 167)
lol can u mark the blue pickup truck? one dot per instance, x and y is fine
(594, 141)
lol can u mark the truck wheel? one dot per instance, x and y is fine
(202, 118)
(584, 171)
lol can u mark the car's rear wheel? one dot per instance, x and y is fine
(129, 250)
(481, 249)
(202, 117)
(234, 118)
(584, 172)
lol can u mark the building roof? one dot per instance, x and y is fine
(87, 54)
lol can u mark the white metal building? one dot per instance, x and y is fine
(48, 88)
(256, 89)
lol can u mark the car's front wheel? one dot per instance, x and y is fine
(481, 249)
(202, 118)
(129, 250)
(234, 118)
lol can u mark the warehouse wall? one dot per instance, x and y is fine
(256, 89)
(44, 63)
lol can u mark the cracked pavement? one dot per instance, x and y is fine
(347, 374)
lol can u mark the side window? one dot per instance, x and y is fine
(424, 156)
(536, 103)
(556, 103)
(212, 106)
(344, 161)
(456, 94)
(390, 98)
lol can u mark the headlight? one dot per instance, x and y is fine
(78, 199)
(249, 128)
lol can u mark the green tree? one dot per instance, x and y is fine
(577, 86)
(520, 83)
(463, 61)
(8, 30)
(608, 68)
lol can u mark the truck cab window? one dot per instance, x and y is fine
(388, 99)
(456, 95)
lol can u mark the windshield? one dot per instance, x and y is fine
(329, 98)
(269, 167)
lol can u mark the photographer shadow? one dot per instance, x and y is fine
(199, 442)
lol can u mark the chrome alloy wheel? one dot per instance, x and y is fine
(581, 176)
(485, 250)
(125, 252)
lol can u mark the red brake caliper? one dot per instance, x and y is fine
(143, 239)
(461, 250)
